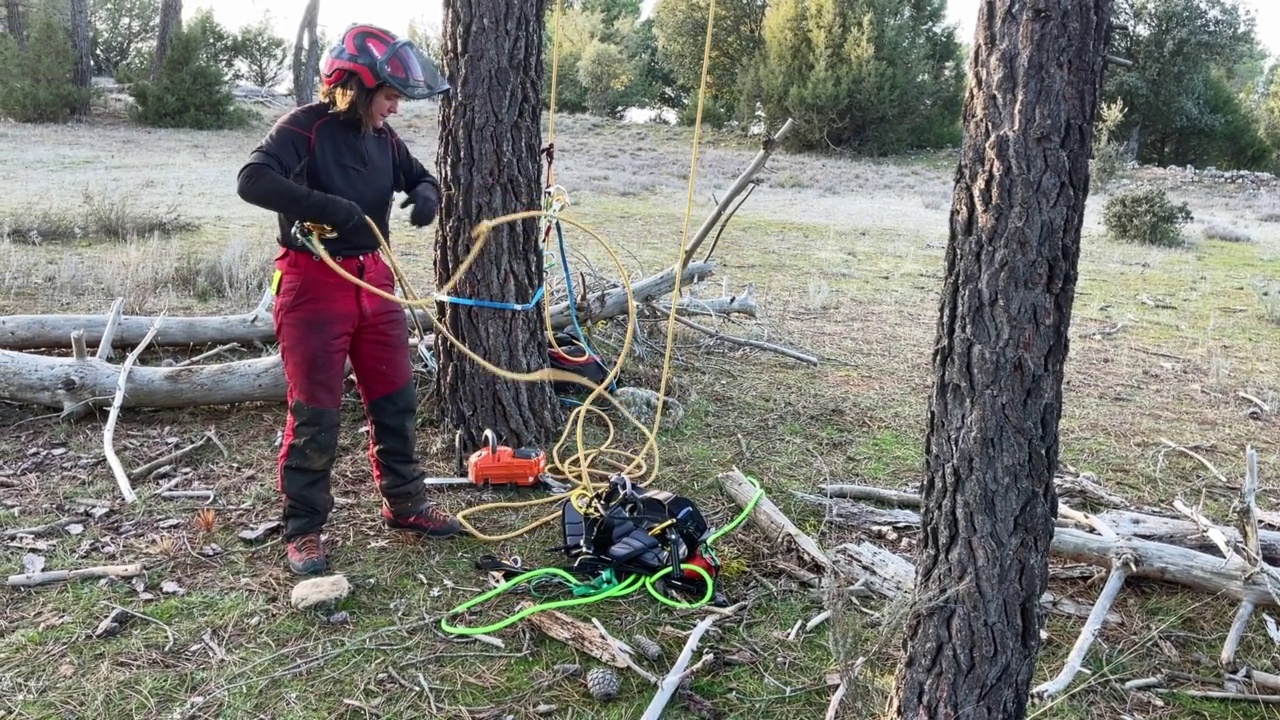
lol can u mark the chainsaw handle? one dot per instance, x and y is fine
(491, 439)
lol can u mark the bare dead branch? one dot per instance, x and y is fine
(108, 433)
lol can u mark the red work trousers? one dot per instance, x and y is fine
(321, 319)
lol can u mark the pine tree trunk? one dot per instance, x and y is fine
(992, 436)
(82, 74)
(13, 21)
(170, 21)
(490, 136)
(306, 55)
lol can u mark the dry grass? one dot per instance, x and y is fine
(100, 216)
(845, 259)
(1226, 233)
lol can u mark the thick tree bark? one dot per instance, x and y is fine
(992, 437)
(170, 21)
(306, 55)
(14, 21)
(82, 74)
(490, 138)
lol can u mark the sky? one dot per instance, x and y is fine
(395, 15)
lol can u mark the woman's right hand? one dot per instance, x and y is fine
(347, 215)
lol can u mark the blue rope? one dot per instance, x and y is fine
(573, 306)
(492, 304)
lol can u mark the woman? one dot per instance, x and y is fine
(333, 162)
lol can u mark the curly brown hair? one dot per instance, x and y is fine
(350, 99)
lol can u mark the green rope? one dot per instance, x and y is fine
(605, 586)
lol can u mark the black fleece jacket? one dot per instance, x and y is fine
(317, 167)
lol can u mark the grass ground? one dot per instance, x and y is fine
(845, 259)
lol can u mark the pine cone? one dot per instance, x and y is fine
(603, 683)
(648, 648)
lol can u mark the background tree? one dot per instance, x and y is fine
(655, 83)
(14, 22)
(1193, 59)
(489, 159)
(170, 23)
(992, 437)
(876, 76)
(123, 31)
(191, 90)
(1269, 113)
(36, 85)
(81, 42)
(680, 27)
(219, 45)
(306, 55)
(427, 36)
(261, 55)
(578, 29)
(611, 11)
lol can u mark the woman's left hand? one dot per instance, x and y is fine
(425, 200)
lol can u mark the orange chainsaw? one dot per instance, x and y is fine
(500, 466)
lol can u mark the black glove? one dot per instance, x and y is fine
(347, 216)
(425, 200)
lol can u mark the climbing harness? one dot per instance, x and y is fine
(617, 540)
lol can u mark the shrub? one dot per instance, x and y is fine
(1226, 233)
(191, 91)
(36, 85)
(1268, 292)
(1146, 217)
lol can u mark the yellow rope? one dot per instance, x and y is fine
(579, 468)
(684, 238)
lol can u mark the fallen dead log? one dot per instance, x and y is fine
(68, 383)
(1155, 528)
(33, 332)
(614, 302)
(1213, 574)
(36, 332)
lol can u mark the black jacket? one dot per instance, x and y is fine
(310, 156)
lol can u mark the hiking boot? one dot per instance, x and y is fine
(431, 522)
(306, 555)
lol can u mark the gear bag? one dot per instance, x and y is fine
(637, 531)
(568, 353)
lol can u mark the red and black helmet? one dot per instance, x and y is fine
(378, 57)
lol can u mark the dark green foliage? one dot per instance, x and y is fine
(124, 31)
(1146, 217)
(611, 11)
(36, 84)
(1269, 114)
(680, 27)
(191, 91)
(219, 45)
(1193, 58)
(875, 76)
(261, 55)
(655, 82)
(604, 67)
